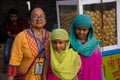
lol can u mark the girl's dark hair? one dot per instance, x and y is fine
(36, 6)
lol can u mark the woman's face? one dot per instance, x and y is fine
(82, 33)
(59, 45)
(37, 18)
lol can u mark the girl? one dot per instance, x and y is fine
(65, 62)
(84, 42)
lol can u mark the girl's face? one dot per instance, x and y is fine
(82, 33)
(59, 45)
(38, 19)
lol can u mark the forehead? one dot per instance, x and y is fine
(58, 40)
(81, 27)
(38, 11)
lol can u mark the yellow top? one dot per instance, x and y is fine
(22, 54)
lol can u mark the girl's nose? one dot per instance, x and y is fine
(81, 31)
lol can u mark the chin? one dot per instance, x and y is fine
(59, 51)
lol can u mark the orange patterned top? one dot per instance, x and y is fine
(23, 52)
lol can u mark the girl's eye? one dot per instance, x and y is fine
(60, 42)
(84, 29)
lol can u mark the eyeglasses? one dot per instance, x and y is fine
(35, 17)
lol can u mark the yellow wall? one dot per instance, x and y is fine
(111, 66)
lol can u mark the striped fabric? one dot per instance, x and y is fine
(12, 70)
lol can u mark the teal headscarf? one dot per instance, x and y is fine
(83, 20)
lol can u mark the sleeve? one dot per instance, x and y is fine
(16, 55)
(7, 28)
(12, 70)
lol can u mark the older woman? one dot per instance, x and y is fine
(30, 49)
